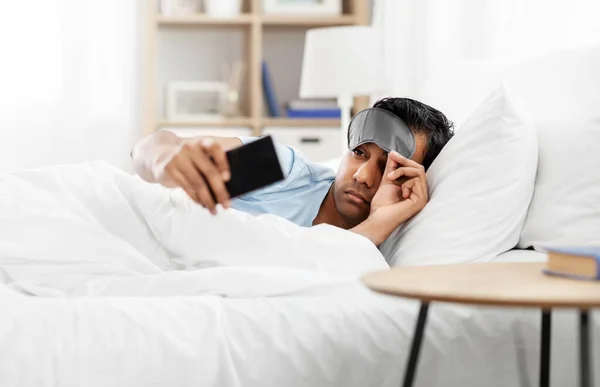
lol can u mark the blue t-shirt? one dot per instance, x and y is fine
(298, 197)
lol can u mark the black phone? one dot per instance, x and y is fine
(254, 165)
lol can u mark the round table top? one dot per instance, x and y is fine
(507, 284)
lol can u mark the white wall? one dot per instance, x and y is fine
(69, 81)
(71, 71)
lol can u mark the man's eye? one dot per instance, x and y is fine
(358, 152)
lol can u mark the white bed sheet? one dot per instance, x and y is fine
(353, 338)
(137, 322)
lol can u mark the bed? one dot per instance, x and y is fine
(122, 300)
(351, 337)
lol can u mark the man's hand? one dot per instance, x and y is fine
(401, 195)
(199, 166)
(403, 188)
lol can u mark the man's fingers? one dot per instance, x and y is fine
(193, 170)
(406, 162)
(390, 165)
(408, 187)
(193, 176)
(214, 150)
(213, 178)
(416, 186)
(405, 192)
(406, 167)
(419, 188)
(207, 199)
(181, 181)
(404, 171)
(197, 192)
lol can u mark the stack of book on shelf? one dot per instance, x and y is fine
(574, 262)
(306, 108)
(302, 108)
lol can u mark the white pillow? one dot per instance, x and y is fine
(480, 187)
(565, 209)
(562, 92)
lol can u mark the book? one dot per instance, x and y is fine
(574, 262)
(270, 96)
(314, 113)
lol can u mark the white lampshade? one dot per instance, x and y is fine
(341, 61)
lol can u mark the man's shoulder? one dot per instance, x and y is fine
(300, 174)
(304, 176)
(296, 167)
(317, 172)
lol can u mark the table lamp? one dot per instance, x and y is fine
(342, 62)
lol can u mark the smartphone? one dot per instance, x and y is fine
(254, 165)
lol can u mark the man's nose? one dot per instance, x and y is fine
(365, 175)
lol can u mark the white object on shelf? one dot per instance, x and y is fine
(327, 72)
(313, 104)
(179, 7)
(195, 101)
(316, 144)
(218, 132)
(223, 8)
(302, 7)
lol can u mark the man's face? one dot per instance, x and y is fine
(359, 176)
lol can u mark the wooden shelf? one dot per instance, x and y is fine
(295, 122)
(258, 30)
(248, 122)
(307, 21)
(200, 19)
(230, 122)
(267, 20)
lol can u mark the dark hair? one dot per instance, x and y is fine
(421, 119)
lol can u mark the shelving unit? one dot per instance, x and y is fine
(266, 121)
(204, 20)
(254, 25)
(300, 21)
(294, 122)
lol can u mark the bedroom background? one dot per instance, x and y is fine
(71, 70)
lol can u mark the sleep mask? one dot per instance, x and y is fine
(384, 129)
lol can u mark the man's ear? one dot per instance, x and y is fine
(422, 145)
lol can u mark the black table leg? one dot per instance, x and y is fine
(545, 348)
(411, 367)
(584, 349)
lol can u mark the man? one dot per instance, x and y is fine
(376, 189)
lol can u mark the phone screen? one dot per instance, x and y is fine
(254, 165)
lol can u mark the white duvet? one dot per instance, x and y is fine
(93, 230)
(139, 287)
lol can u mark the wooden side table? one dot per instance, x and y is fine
(520, 284)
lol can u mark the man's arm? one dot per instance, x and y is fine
(402, 194)
(150, 150)
(374, 230)
(198, 165)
